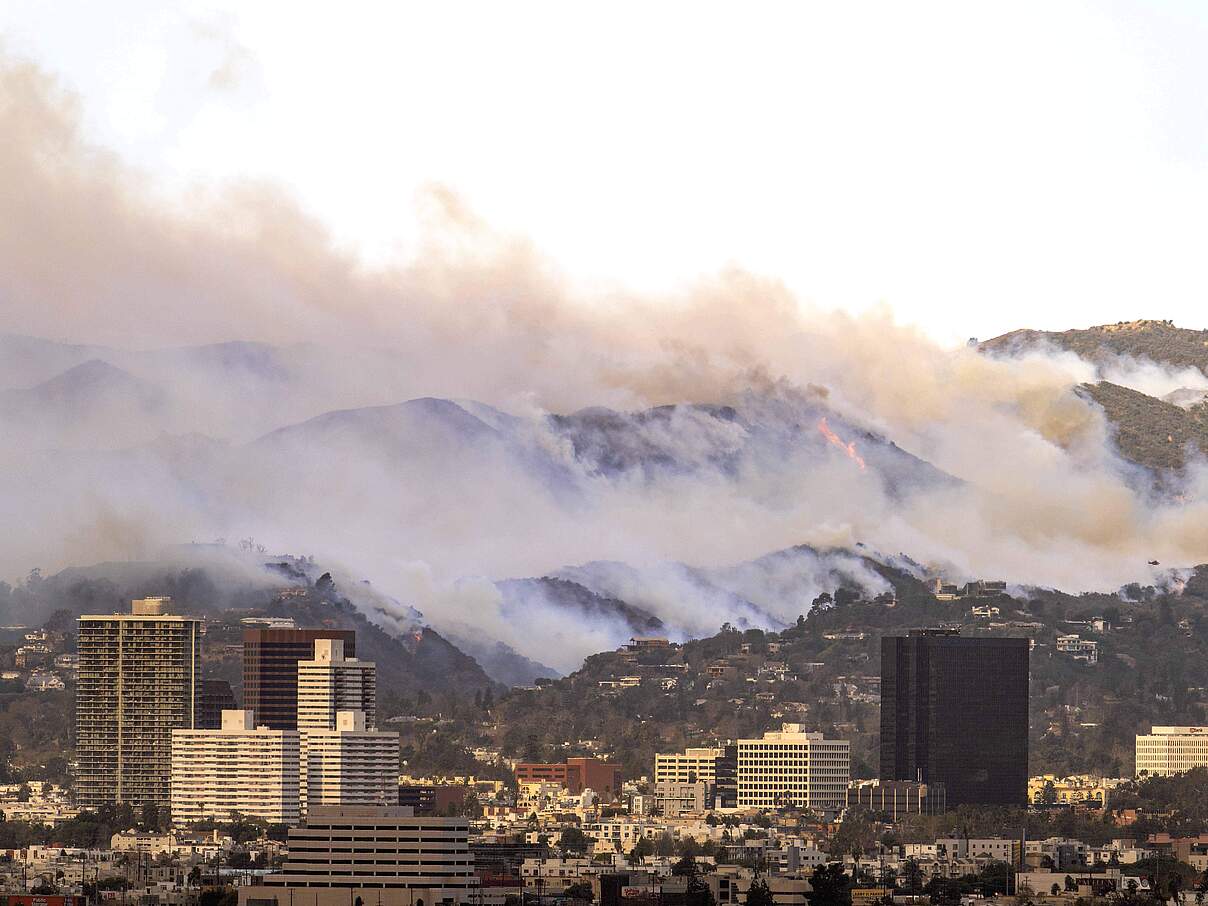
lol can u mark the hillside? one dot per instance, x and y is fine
(1159, 341)
(823, 671)
(223, 587)
(1149, 431)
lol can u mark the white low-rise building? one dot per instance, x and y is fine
(1078, 648)
(1172, 750)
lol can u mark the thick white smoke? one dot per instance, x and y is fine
(435, 501)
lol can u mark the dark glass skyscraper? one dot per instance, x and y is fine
(270, 670)
(216, 697)
(955, 711)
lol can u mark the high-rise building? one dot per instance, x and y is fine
(725, 785)
(716, 767)
(793, 767)
(139, 680)
(329, 683)
(216, 697)
(348, 764)
(955, 711)
(343, 759)
(1171, 750)
(270, 670)
(238, 769)
(688, 766)
(383, 856)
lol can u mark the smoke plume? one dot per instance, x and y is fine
(130, 433)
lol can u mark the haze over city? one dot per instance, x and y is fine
(650, 455)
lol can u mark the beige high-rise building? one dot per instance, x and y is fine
(344, 759)
(792, 767)
(139, 679)
(1172, 750)
(330, 683)
(238, 769)
(348, 764)
(688, 766)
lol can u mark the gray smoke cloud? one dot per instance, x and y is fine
(130, 440)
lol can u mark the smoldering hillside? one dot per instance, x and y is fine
(185, 369)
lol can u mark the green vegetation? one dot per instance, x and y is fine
(822, 671)
(1153, 669)
(87, 829)
(1151, 432)
(35, 734)
(830, 886)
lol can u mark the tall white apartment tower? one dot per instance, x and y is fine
(330, 683)
(344, 759)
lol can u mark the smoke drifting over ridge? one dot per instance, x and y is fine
(434, 500)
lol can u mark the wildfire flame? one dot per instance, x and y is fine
(849, 449)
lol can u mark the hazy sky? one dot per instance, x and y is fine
(976, 167)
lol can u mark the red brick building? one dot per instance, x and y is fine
(576, 775)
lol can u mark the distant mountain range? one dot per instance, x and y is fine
(121, 451)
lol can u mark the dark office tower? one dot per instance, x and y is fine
(216, 697)
(955, 711)
(270, 670)
(725, 782)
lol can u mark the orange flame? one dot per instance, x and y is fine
(849, 449)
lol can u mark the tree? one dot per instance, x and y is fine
(912, 874)
(1174, 887)
(758, 894)
(946, 891)
(688, 847)
(579, 891)
(533, 751)
(574, 841)
(150, 817)
(830, 886)
(643, 848)
(685, 867)
(218, 896)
